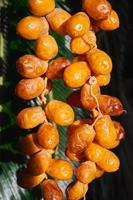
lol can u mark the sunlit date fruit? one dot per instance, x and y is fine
(47, 136)
(79, 138)
(41, 7)
(56, 68)
(51, 190)
(76, 190)
(78, 25)
(110, 105)
(59, 112)
(30, 117)
(103, 80)
(26, 180)
(109, 24)
(86, 172)
(39, 162)
(74, 157)
(87, 94)
(104, 158)
(58, 19)
(28, 145)
(106, 134)
(46, 47)
(76, 74)
(60, 169)
(99, 62)
(74, 99)
(81, 45)
(30, 66)
(31, 27)
(30, 88)
(97, 9)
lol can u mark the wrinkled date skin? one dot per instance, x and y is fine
(50, 190)
(30, 88)
(97, 9)
(60, 169)
(79, 138)
(30, 66)
(76, 190)
(30, 117)
(110, 105)
(39, 163)
(56, 68)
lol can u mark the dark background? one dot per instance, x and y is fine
(119, 45)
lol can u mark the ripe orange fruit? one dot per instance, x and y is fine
(78, 25)
(31, 27)
(46, 47)
(109, 24)
(103, 80)
(57, 20)
(30, 88)
(76, 74)
(60, 169)
(99, 62)
(51, 190)
(41, 7)
(59, 112)
(30, 66)
(47, 136)
(76, 190)
(30, 117)
(97, 9)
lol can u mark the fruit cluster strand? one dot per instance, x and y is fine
(90, 140)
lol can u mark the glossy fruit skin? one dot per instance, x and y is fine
(97, 9)
(58, 19)
(60, 169)
(78, 25)
(79, 138)
(106, 134)
(73, 156)
(30, 117)
(31, 27)
(76, 190)
(41, 7)
(30, 66)
(56, 68)
(86, 96)
(39, 163)
(76, 74)
(50, 190)
(74, 99)
(30, 88)
(46, 47)
(83, 44)
(99, 172)
(25, 180)
(47, 136)
(59, 112)
(110, 105)
(104, 158)
(86, 172)
(99, 62)
(103, 80)
(28, 145)
(109, 24)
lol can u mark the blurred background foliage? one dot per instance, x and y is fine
(118, 44)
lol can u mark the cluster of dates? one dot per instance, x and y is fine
(88, 140)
